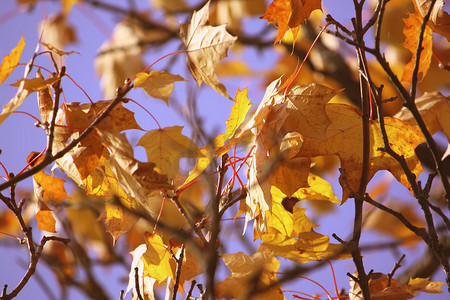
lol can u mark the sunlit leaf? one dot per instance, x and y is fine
(290, 14)
(166, 146)
(10, 61)
(157, 84)
(157, 259)
(45, 220)
(145, 282)
(206, 45)
(412, 27)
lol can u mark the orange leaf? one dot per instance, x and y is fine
(10, 61)
(45, 220)
(412, 27)
(290, 14)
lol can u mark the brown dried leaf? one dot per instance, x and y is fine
(206, 45)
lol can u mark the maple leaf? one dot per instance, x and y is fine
(217, 147)
(85, 157)
(290, 234)
(346, 126)
(250, 270)
(157, 259)
(36, 84)
(10, 61)
(290, 14)
(102, 182)
(118, 222)
(8, 65)
(165, 147)
(139, 180)
(412, 26)
(435, 111)
(439, 19)
(53, 187)
(206, 45)
(157, 84)
(146, 283)
(279, 125)
(395, 291)
(306, 109)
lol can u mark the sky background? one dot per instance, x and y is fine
(19, 137)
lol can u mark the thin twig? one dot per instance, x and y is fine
(419, 50)
(391, 274)
(191, 223)
(191, 289)
(49, 159)
(215, 229)
(179, 262)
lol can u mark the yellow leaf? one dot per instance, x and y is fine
(412, 27)
(290, 175)
(121, 117)
(118, 221)
(238, 112)
(319, 189)
(217, 147)
(291, 234)
(290, 14)
(45, 220)
(157, 259)
(10, 61)
(145, 283)
(157, 84)
(206, 45)
(250, 270)
(424, 285)
(166, 146)
(139, 180)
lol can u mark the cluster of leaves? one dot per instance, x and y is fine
(170, 220)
